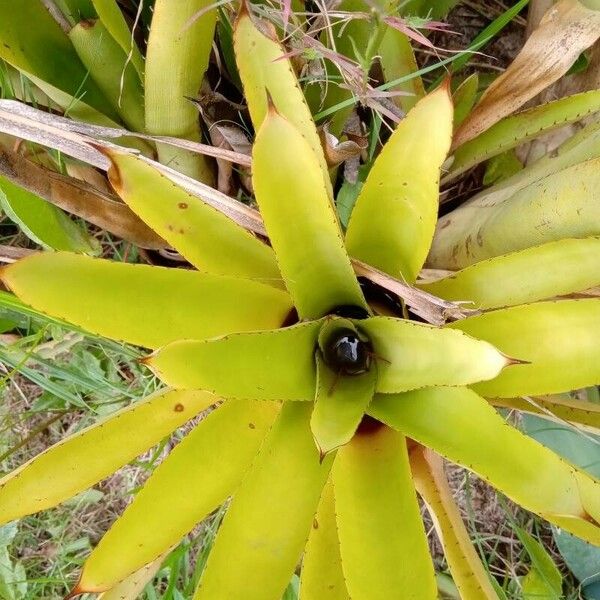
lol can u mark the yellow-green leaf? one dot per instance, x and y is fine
(412, 355)
(81, 460)
(270, 517)
(265, 70)
(264, 365)
(108, 65)
(301, 221)
(322, 577)
(131, 587)
(523, 126)
(29, 35)
(538, 273)
(558, 408)
(198, 476)
(202, 234)
(464, 428)
(140, 304)
(340, 404)
(111, 16)
(179, 44)
(398, 61)
(394, 217)
(515, 216)
(466, 567)
(383, 545)
(558, 338)
(42, 222)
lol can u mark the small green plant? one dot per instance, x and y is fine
(328, 409)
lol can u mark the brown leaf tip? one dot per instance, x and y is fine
(76, 591)
(87, 23)
(510, 360)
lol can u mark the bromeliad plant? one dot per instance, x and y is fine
(328, 410)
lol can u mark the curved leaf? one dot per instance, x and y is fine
(140, 304)
(41, 222)
(81, 460)
(202, 234)
(556, 408)
(340, 403)
(558, 338)
(412, 355)
(526, 125)
(565, 31)
(322, 577)
(560, 205)
(394, 217)
(383, 545)
(464, 428)
(198, 476)
(301, 221)
(32, 22)
(108, 66)
(131, 587)
(553, 269)
(270, 517)
(262, 365)
(111, 16)
(467, 570)
(266, 70)
(177, 57)
(398, 61)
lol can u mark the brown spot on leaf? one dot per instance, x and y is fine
(251, 425)
(183, 205)
(315, 523)
(179, 407)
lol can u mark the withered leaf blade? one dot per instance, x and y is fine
(79, 198)
(566, 30)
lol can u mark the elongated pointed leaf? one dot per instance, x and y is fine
(264, 69)
(41, 222)
(177, 57)
(301, 221)
(31, 22)
(110, 68)
(517, 129)
(270, 517)
(78, 462)
(464, 428)
(411, 355)
(112, 18)
(263, 365)
(538, 273)
(133, 586)
(203, 235)
(140, 304)
(394, 217)
(198, 476)
(398, 61)
(557, 408)
(466, 567)
(557, 337)
(562, 204)
(340, 403)
(322, 577)
(383, 545)
(464, 98)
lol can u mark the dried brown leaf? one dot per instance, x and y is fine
(79, 198)
(566, 30)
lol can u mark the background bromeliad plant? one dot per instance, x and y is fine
(350, 409)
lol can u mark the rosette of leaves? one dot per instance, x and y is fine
(329, 412)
